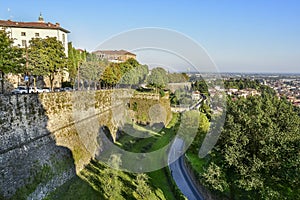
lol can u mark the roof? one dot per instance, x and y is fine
(39, 25)
(114, 52)
(81, 50)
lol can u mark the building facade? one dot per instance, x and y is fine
(23, 32)
(116, 56)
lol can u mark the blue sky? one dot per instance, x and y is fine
(241, 36)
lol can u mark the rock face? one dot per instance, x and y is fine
(45, 139)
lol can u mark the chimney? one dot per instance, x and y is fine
(57, 24)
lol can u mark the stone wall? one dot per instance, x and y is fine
(45, 139)
(28, 151)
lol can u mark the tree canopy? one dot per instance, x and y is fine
(158, 78)
(129, 72)
(74, 59)
(46, 57)
(257, 155)
(11, 57)
(201, 86)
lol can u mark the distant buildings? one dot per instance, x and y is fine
(116, 56)
(289, 88)
(243, 93)
(196, 95)
(23, 32)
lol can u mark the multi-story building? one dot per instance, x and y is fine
(23, 32)
(115, 55)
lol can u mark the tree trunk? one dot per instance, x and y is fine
(2, 82)
(51, 78)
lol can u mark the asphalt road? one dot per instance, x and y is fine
(179, 172)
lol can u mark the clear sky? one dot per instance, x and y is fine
(240, 36)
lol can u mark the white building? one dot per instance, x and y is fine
(23, 32)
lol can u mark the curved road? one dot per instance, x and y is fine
(179, 171)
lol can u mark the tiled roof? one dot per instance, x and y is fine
(39, 25)
(114, 52)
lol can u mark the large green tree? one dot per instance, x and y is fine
(111, 75)
(129, 72)
(135, 75)
(46, 58)
(76, 58)
(158, 78)
(90, 71)
(11, 57)
(257, 155)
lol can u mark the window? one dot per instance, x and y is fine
(23, 33)
(37, 34)
(23, 43)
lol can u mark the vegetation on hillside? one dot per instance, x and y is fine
(247, 83)
(257, 155)
(201, 86)
(99, 181)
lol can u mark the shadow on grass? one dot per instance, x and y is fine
(76, 188)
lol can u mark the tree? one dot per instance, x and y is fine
(130, 77)
(73, 62)
(201, 86)
(135, 75)
(46, 58)
(142, 188)
(11, 57)
(129, 72)
(111, 75)
(257, 155)
(142, 72)
(91, 71)
(158, 78)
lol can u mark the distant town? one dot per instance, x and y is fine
(285, 85)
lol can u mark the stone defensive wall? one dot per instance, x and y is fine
(46, 139)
